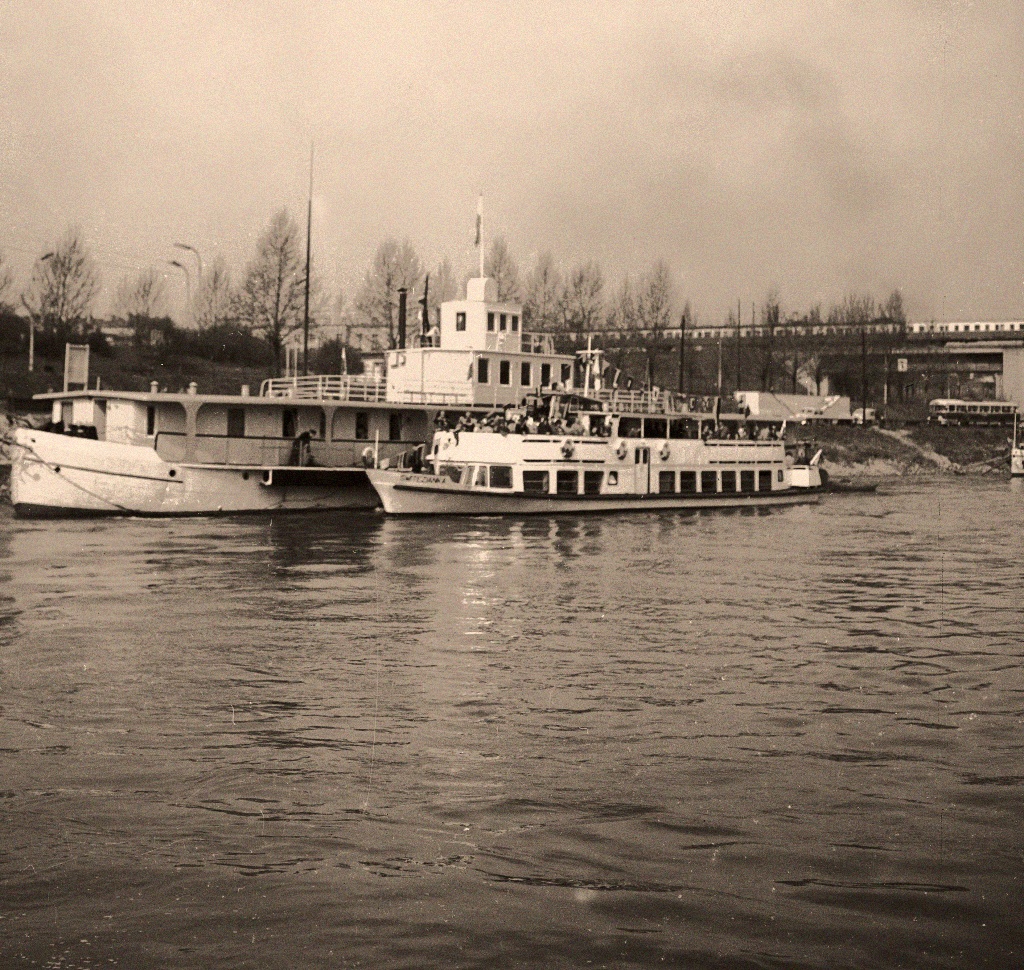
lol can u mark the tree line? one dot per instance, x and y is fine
(252, 321)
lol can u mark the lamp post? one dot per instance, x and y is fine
(188, 285)
(32, 325)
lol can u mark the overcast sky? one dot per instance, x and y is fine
(817, 149)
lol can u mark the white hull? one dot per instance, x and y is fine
(404, 493)
(53, 474)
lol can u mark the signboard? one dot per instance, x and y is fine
(76, 367)
(901, 365)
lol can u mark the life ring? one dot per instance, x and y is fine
(568, 448)
(368, 457)
(621, 449)
(664, 451)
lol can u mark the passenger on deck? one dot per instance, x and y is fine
(531, 424)
(300, 454)
(441, 422)
(466, 423)
(576, 426)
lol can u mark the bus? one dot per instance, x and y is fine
(953, 411)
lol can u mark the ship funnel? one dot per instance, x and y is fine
(402, 294)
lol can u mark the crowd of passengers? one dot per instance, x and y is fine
(538, 421)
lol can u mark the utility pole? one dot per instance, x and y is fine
(739, 335)
(682, 353)
(309, 236)
(863, 373)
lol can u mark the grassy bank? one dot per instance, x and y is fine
(913, 450)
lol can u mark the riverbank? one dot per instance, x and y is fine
(871, 452)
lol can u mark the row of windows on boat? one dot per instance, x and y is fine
(289, 424)
(569, 481)
(495, 321)
(526, 372)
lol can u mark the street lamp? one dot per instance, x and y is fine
(188, 285)
(32, 324)
(199, 259)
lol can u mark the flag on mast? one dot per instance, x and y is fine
(479, 218)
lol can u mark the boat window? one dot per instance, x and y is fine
(709, 481)
(687, 481)
(545, 375)
(450, 471)
(747, 480)
(729, 481)
(503, 321)
(666, 482)
(566, 374)
(151, 421)
(536, 481)
(480, 479)
(236, 422)
(482, 376)
(323, 426)
(490, 321)
(460, 321)
(289, 422)
(524, 374)
(515, 322)
(682, 428)
(613, 478)
(567, 482)
(655, 428)
(764, 480)
(395, 427)
(504, 372)
(362, 426)
(630, 427)
(501, 476)
(778, 475)
(592, 483)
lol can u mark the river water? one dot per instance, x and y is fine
(792, 739)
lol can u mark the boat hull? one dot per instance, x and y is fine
(404, 493)
(55, 475)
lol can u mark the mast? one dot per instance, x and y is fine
(480, 231)
(309, 235)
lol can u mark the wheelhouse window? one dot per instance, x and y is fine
(545, 375)
(501, 476)
(504, 372)
(567, 482)
(362, 425)
(482, 372)
(524, 374)
(709, 481)
(460, 321)
(394, 427)
(150, 420)
(451, 471)
(566, 374)
(480, 478)
(490, 321)
(515, 322)
(236, 422)
(536, 482)
(503, 321)
(682, 428)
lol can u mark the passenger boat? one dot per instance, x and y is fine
(302, 443)
(599, 452)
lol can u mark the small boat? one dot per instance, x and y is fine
(591, 455)
(1016, 451)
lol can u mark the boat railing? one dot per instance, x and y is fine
(267, 452)
(440, 393)
(327, 387)
(653, 402)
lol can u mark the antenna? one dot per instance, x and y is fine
(309, 235)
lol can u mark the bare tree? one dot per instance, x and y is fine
(654, 299)
(622, 314)
(6, 280)
(502, 268)
(543, 288)
(395, 265)
(271, 298)
(771, 317)
(582, 303)
(63, 285)
(141, 295)
(213, 301)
